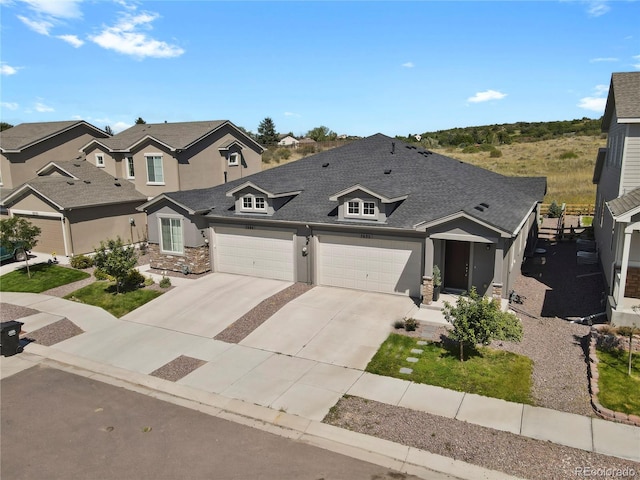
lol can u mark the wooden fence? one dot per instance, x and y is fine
(572, 209)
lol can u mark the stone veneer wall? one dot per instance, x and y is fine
(632, 287)
(196, 259)
(496, 291)
(427, 290)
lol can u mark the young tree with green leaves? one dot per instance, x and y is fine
(322, 134)
(267, 132)
(115, 259)
(21, 233)
(478, 319)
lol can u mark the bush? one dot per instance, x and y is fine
(410, 324)
(307, 150)
(284, 153)
(165, 282)
(470, 149)
(81, 262)
(148, 281)
(495, 153)
(100, 274)
(133, 280)
(398, 324)
(568, 155)
(555, 210)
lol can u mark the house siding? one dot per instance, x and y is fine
(631, 160)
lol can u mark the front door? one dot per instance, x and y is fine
(456, 265)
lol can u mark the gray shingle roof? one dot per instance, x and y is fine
(176, 135)
(624, 204)
(91, 187)
(624, 97)
(26, 134)
(437, 186)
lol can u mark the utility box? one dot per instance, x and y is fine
(10, 338)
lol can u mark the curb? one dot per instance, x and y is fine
(592, 368)
(367, 448)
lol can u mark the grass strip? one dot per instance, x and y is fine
(44, 276)
(103, 294)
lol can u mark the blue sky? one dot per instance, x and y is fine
(356, 67)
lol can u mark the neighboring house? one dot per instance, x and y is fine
(376, 215)
(165, 157)
(288, 141)
(617, 219)
(26, 148)
(77, 205)
(306, 141)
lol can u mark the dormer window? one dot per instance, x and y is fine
(233, 159)
(254, 203)
(357, 208)
(99, 160)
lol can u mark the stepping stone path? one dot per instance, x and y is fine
(416, 350)
(421, 342)
(406, 370)
(412, 359)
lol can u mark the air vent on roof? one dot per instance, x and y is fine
(325, 165)
(387, 171)
(76, 164)
(87, 181)
(70, 182)
(479, 208)
(117, 184)
(393, 148)
(484, 204)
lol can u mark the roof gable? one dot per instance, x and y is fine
(623, 100)
(359, 188)
(25, 135)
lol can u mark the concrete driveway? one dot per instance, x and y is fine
(332, 325)
(206, 306)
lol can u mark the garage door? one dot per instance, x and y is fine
(259, 253)
(378, 265)
(51, 238)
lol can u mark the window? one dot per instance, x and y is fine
(354, 207)
(234, 159)
(247, 203)
(368, 208)
(130, 170)
(99, 160)
(171, 235)
(154, 169)
(260, 204)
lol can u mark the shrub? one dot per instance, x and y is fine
(81, 262)
(568, 155)
(398, 324)
(307, 150)
(555, 210)
(148, 281)
(100, 274)
(627, 331)
(165, 282)
(495, 153)
(134, 279)
(470, 149)
(284, 153)
(410, 324)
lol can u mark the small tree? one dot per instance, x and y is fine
(267, 132)
(322, 134)
(115, 259)
(479, 320)
(555, 210)
(109, 130)
(140, 121)
(18, 232)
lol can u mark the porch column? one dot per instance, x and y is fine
(427, 277)
(498, 262)
(624, 265)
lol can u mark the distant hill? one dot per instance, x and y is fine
(507, 133)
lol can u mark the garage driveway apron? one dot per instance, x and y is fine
(332, 325)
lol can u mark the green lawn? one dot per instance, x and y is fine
(619, 391)
(488, 372)
(44, 276)
(103, 294)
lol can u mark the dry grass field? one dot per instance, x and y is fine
(567, 163)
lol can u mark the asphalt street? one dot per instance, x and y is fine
(57, 425)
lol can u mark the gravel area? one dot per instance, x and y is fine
(493, 449)
(54, 333)
(9, 311)
(178, 368)
(255, 317)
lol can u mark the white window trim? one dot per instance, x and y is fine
(233, 159)
(364, 214)
(358, 203)
(254, 207)
(100, 160)
(160, 239)
(255, 203)
(361, 214)
(146, 159)
(129, 176)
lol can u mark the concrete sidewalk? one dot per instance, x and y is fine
(305, 389)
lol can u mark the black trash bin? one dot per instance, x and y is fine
(10, 338)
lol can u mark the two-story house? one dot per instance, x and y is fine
(165, 157)
(617, 219)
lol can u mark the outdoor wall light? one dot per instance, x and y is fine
(305, 251)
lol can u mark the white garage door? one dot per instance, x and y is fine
(388, 266)
(259, 253)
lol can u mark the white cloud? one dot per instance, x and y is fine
(636, 58)
(8, 69)
(597, 101)
(39, 26)
(120, 126)
(42, 108)
(597, 8)
(408, 65)
(56, 8)
(124, 37)
(603, 59)
(72, 40)
(486, 96)
(9, 105)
